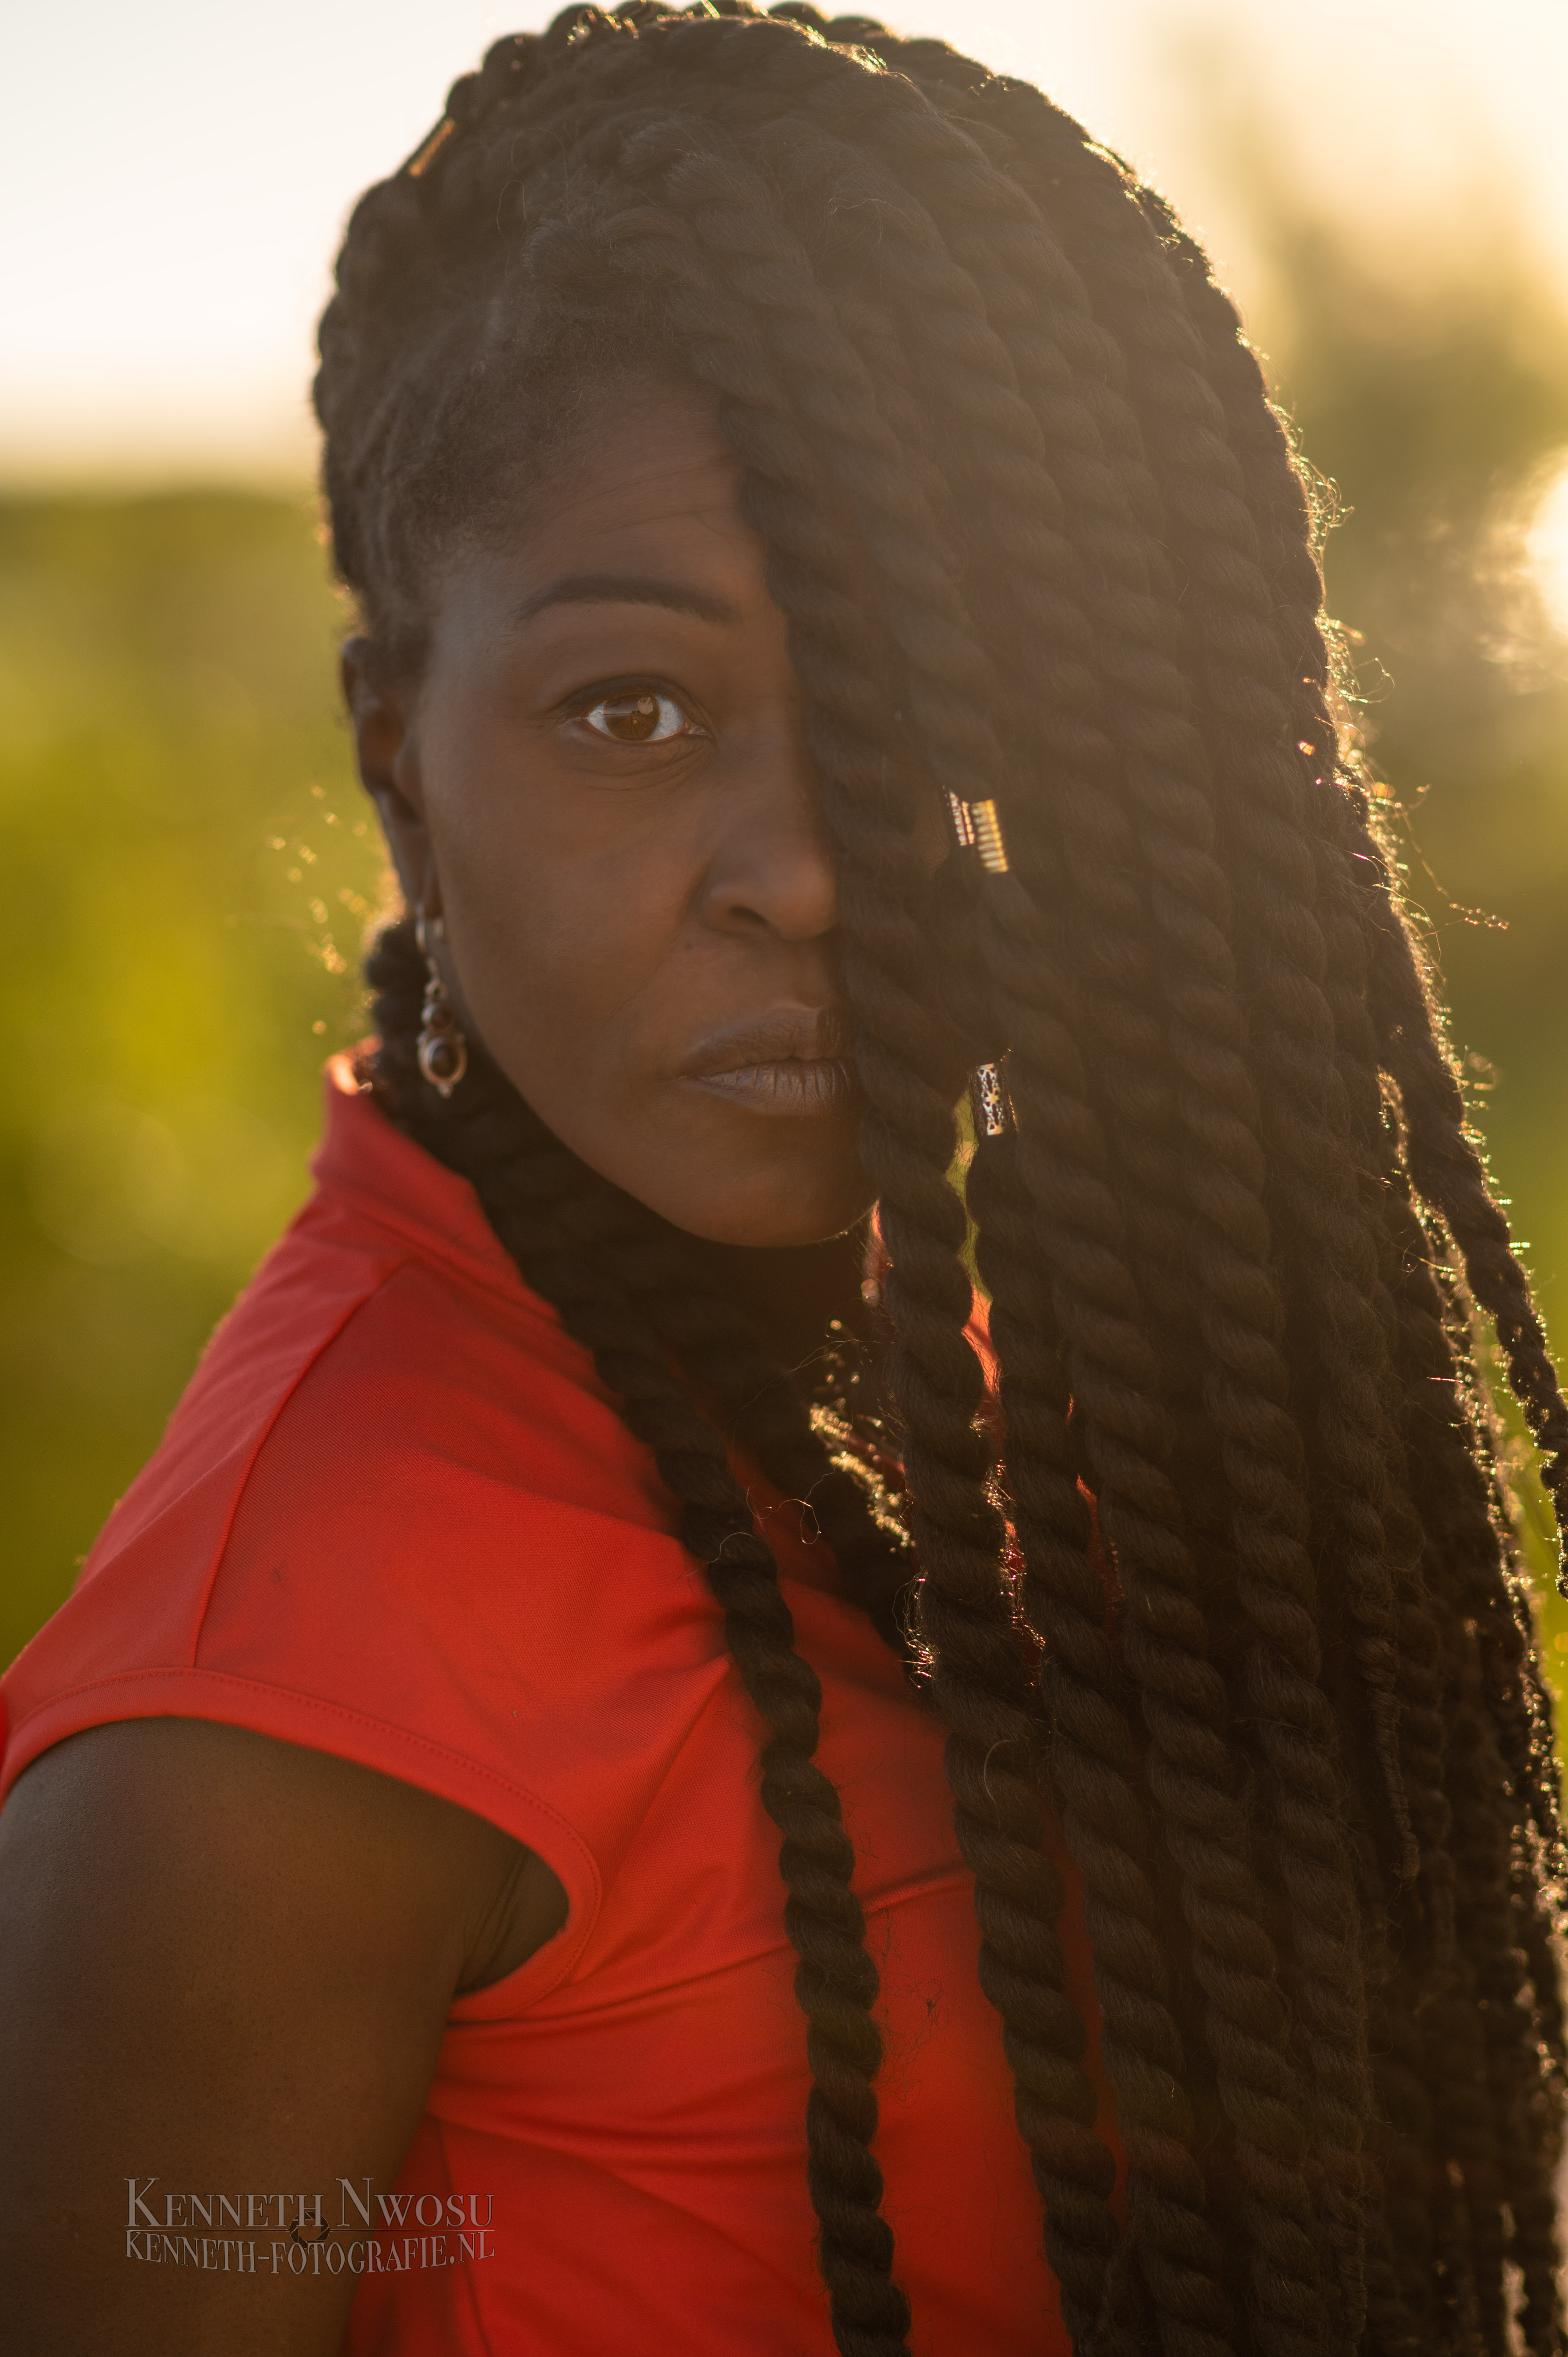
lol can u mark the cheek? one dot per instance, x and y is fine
(568, 920)
(584, 963)
(562, 961)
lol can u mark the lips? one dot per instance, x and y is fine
(792, 1061)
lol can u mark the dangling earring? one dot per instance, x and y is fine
(442, 1048)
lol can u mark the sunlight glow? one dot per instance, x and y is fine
(1547, 548)
(165, 262)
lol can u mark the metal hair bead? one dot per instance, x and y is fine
(988, 838)
(989, 1100)
(962, 825)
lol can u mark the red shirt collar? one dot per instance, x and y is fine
(364, 1159)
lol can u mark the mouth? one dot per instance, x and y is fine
(792, 1062)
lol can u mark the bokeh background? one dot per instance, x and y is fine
(187, 866)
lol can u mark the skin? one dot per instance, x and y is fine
(644, 933)
(227, 1961)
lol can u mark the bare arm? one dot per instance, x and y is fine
(226, 1964)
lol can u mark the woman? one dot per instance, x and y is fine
(839, 637)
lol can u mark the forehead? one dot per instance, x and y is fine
(642, 482)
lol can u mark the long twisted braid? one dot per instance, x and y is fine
(1491, 1783)
(1040, 544)
(1405, 1007)
(1375, 948)
(759, 1407)
(1359, 902)
(524, 1177)
(1170, 829)
(978, 1677)
(1164, 805)
(1174, 838)
(1044, 614)
(1241, 667)
(1359, 908)
(958, 747)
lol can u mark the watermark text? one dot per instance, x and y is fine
(298, 2233)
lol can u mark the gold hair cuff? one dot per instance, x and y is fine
(989, 1100)
(987, 837)
(962, 825)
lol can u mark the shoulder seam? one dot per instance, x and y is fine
(339, 1327)
(399, 1738)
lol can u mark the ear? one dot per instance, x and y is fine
(380, 713)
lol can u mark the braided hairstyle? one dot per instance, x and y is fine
(1041, 543)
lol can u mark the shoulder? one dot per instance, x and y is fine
(446, 1446)
(386, 1356)
(395, 1518)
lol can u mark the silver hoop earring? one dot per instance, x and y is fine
(442, 1050)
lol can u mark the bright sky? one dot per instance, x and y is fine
(174, 175)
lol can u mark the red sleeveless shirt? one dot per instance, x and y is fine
(396, 1518)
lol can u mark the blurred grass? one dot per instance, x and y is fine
(178, 829)
(1431, 394)
(189, 863)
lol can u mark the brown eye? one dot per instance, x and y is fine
(642, 716)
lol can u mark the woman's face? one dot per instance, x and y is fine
(601, 784)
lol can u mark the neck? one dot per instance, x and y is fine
(797, 1292)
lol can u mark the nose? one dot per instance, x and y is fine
(772, 867)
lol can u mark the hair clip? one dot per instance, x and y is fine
(420, 163)
(989, 1100)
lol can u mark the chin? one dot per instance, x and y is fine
(773, 1232)
(802, 1210)
(731, 1178)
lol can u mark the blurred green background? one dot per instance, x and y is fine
(189, 867)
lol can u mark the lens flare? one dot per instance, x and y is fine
(1546, 547)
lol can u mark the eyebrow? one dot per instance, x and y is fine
(629, 590)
